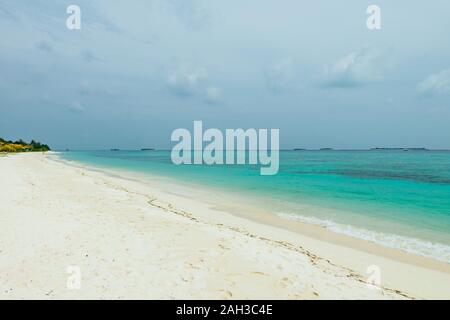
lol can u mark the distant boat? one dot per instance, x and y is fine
(147, 149)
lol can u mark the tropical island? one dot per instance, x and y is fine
(22, 146)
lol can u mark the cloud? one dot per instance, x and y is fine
(356, 69)
(187, 81)
(213, 95)
(76, 107)
(190, 12)
(44, 46)
(279, 76)
(435, 84)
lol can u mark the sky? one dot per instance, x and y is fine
(137, 70)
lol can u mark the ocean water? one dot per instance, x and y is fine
(398, 199)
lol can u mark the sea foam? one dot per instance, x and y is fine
(410, 245)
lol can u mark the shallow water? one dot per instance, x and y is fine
(394, 198)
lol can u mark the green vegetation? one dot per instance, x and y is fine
(22, 146)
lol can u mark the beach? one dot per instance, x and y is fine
(134, 240)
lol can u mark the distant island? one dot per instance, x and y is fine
(147, 149)
(399, 149)
(22, 146)
(371, 149)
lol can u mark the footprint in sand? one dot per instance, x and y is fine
(223, 247)
(225, 294)
(258, 273)
(286, 282)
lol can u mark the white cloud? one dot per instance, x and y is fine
(435, 84)
(76, 107)
(186, 80)
(189, 81)
(356, 69)
(213, 95)
(192, 13)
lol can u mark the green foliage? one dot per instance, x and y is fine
(37, 146)
(22, 146)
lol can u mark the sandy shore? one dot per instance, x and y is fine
(130, 239)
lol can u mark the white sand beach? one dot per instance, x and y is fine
(132, 239)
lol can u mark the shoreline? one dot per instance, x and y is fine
(310, 233)
(325, 242)
(408, 227)
(246, 208)
(320, 262)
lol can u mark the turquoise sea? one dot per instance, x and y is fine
(398, 199)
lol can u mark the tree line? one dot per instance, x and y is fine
(22, 146)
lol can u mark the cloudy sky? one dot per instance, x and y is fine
(137, 70)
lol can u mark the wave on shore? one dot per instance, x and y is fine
(423, 248)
